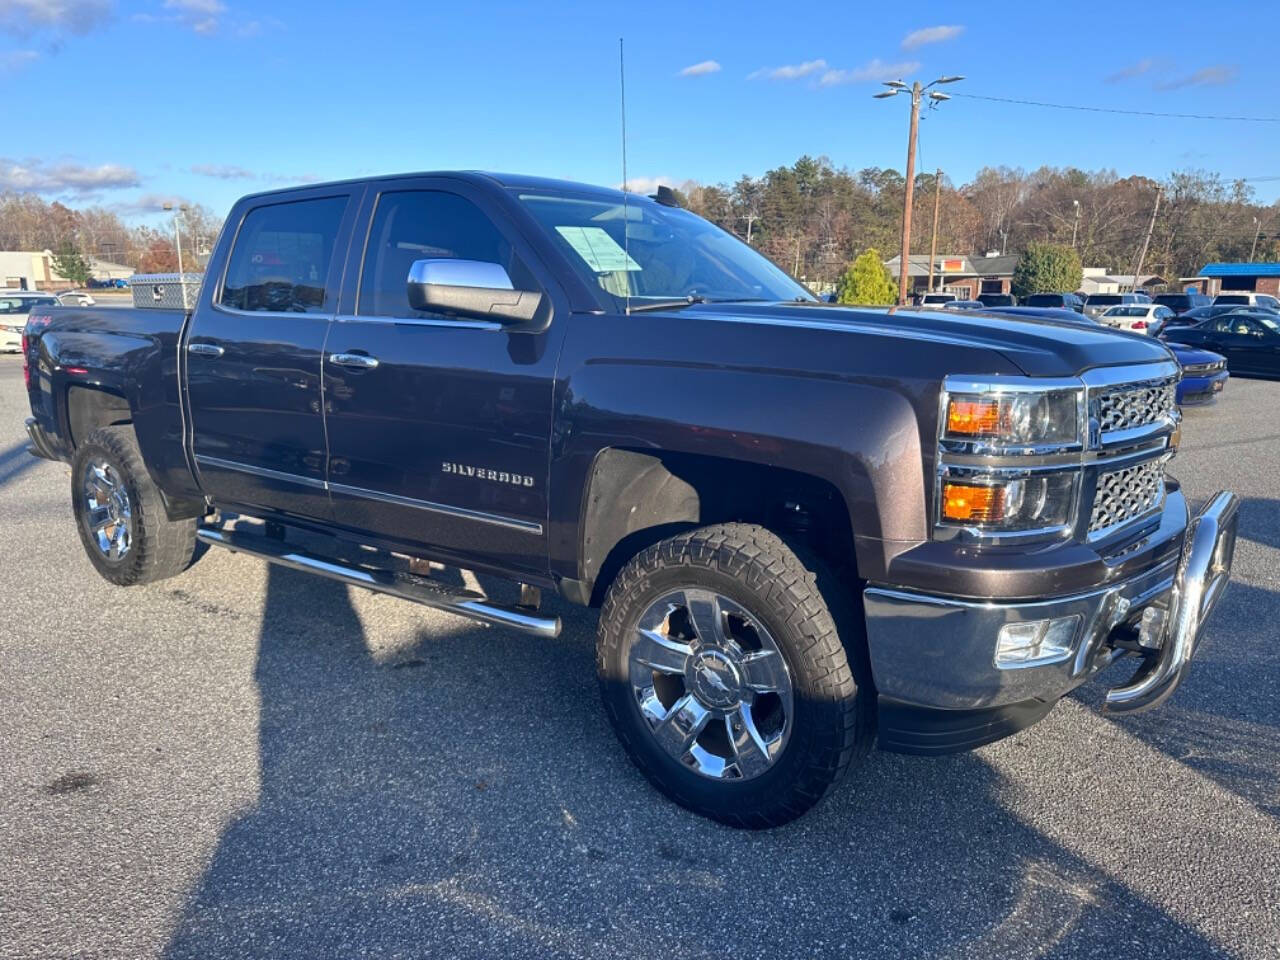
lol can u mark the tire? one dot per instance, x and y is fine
(765, 766)
(109, 481)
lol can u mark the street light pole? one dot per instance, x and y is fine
(177, 234)
(1075, 224)
(1254, 248)
(917, 95)
(933, 243)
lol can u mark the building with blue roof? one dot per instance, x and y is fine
(1250, 277)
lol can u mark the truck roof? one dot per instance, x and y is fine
(510, 181)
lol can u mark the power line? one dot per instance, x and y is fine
(1131, 113)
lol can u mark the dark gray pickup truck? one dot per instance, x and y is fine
(809, 529)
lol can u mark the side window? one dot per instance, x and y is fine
(281, 257)
(411, 225)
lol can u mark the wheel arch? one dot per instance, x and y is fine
(635, 498)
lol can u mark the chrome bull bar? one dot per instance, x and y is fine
(1203, 572)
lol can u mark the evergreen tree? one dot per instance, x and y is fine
(69, 262)
(866, 281)
(1047, 268)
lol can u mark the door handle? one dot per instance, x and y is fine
(354, 361)
(205, 349)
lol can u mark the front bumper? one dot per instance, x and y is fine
(1205, 389)
(933, 657)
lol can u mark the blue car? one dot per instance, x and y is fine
(1204, 374)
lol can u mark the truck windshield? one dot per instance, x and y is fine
(666, 254)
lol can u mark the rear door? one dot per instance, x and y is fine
(439, 437)
(253, 354)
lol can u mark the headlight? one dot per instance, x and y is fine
(1032, 418)
(1043, 502)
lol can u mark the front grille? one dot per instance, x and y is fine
(1135, 405)
(1127, 494)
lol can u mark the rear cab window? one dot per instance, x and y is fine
(281, 257)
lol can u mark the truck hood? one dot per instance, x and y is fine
(1039, 347)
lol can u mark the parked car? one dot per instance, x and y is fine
(75, 298)
(775, 595)
(1204, 374)
(1069, 300)
(998, 299)
(1249, 339)
(1060, 314)
(1146, 318)
(15, 306)
(937, 299)
(964, 305)
(1096, 304)
(1180, 303)
(1244, 299)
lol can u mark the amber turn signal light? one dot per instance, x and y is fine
(972, 503)
(973, 418)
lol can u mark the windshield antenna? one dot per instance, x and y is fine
(626, 247)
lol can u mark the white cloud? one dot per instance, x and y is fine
(25, 17)
(222, 171)
(200, 15)
(700, 69)
(873, 72)
(793, 71)
(1207, 77)
(207, 8)
(37, 176)
(1133, 70)
(646, 185)
(918, 38)
(12, 60)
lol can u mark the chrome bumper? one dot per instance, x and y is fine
(939, 652)
(1203, 572)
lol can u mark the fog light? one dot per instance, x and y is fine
(1029, 643)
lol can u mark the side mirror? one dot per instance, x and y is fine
(470, 288)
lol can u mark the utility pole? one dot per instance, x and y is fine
(933, 244)
(1142, 251)
(1075, 224)
(917, 94)
(1254, 249)
(904, 263)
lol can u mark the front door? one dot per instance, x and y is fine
(439, 427)
(253, 356)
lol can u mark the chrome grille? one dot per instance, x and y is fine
(1135, 405)
(1127, 494)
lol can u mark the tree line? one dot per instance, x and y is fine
(27, 222)
(813, 218)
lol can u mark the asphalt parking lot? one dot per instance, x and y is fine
(244, 761)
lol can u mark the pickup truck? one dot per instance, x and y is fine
(809, 529)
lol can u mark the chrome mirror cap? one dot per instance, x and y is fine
(446, 272)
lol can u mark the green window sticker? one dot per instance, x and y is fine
(598, 250)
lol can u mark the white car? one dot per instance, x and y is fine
(1146, 318)
(76, 298)
(14, 307)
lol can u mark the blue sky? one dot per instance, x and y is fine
(130, 103)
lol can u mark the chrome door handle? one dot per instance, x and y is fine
(354, 361)
(205, 349)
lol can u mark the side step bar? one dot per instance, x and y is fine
(407, 586)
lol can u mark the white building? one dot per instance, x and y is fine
(33, 270)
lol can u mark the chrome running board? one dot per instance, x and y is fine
(406, 586)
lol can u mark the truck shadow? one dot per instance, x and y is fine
(1224, 721)
(15, 461)
(467, 799)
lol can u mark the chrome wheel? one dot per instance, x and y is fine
(108, 513)
(712, 684)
